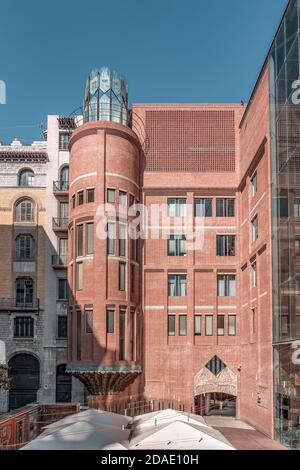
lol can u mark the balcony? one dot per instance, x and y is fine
(59, 261)
(60, 224)
(60, 188)
(29, 304)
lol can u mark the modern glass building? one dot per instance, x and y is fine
(284, 73)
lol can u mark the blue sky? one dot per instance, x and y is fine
(168, 50)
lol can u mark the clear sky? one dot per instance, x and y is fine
(168, 50)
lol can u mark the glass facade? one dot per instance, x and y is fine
(105, 97)
(284, 70)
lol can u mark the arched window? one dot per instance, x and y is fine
(26, 178)
(24, 292)
(25, 248)
(25, 211)
(64, 178)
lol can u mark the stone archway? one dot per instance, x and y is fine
(206, 382)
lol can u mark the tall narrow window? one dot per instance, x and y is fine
(226, 285)
(25, 248)
(25, 211)
(177, 245)
(225, 245)
(88, 313)
(122, 276)
(123, 198)
(62, 289)
(64, 213)
(254, 185)
(182, 325)
(62, 326)
(132, 278)
(122, 240)
(177, 207)
(231, 325)
(111, 238)
(110, 321)
(24, 292)
(79, 240)
(253, 321)
(79, 276)
(23, 327)
(64, 179)
(63, 251)
(209, 325)
(111, 195)
(197, 325)
(80, 198)
(255, 228)
(132, 335)
(122, 335)
(89, 238)
(225, 207)
(26, 178)
(254, 275)
(221, 325)
(78, 335)
(203, 207)
(90, 195)
(64, 139)
(73, 201)
(171, 325)
(177, 285)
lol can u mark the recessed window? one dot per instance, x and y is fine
(80, 198)
(215, 365)
(64, 139)
(255, 228)
(297, 207)
(62, 326)
(111, 195)
(132, 335)
(25, 211)
(254, 275)
(253, 321)
(226, 285)
(171, 325)
(79, 276)
(131, 200)
(198, 325)
(177, 285)
(90, 195)
(64, 178)
(132, 278)
(110, 321)
(221, 325)
(73, 202)
(177, 207)
(177, 245)
(254, 185)
(203, 207)
(225, 245)
(122, 240)
(26, 178)
(182, 325)
(62, 289)
(297, 246)
(209, 325)
(88, 313)
(225, 207)
(23, 327)
(231, 325)
(111, 239)
(122, 335)
(79, 240)
(25, 248)
(122, 276)
(89, 238)
(24, 292)
(123, 198)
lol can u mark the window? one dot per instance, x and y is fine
(197, 325)
(209, 325)
(62, 326)
(64, 212)
(226, 285)
(79, 276)
(64, 178)
(177, 245)
(225, 245)
(254, 275)
(221, 325)
(254, 185)
(79, 240)
(90, 195)
(122, 276)
(297, 207)
(132, 335)
(26, 178)
(132, 249)
(25, 211)
(80, 198)
(132, 278)
(215, 365)
(203, 207)
(110, 321)
(24, 292)
(25, 248)
(131, 200)
(88, 313)
(111, 239)
(123, 198)
(171, 325)
(231, 325)
(177, 285)
(182, 325)
(177, 207)
(63, 251)
(253, 321)
(62, 289)
(64, 139)
(78, 335)
(297, 246)
(225, 207)
(89, 239)
(254, 228)
(23, 327)
(122, 332)
(122, 240)
(73, 202)
(111, 195)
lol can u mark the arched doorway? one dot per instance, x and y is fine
(24, 372)
(63, 385)
(215, 404)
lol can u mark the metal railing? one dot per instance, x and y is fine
(60, 223)
(60, 260)
(60, 186)
(19, 303)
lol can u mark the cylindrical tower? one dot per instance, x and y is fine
(104, 320)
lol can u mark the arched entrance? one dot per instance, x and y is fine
(24, 372)
(215, 404)
(63, 385)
